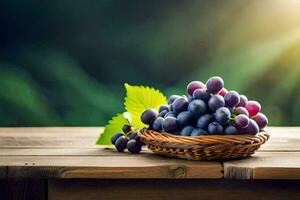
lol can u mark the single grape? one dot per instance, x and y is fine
(184, 119)
(194, 85)
(261, 120)
(134, 146)
(115, 137)
(232, 98)
(223, 92)
(253, 107)
(126, 128)
(121, 143)
(198, 131)
(162, 108)
(171, 114)
(231, 130)
(204, 120)
(214, 84)
(163, 113)
(172, 98)
(170, 125)
(243, 101)
(251, 129)
(180, 105)
(201, 94)
(186, 131)
(215, 102)
(197, 108)
(240, 110)
(148, 116)
(241, 121)
(215, 128)
(157, 124)
(222, 115)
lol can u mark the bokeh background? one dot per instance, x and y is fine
(64, 62)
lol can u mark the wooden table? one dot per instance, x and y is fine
(64, 163)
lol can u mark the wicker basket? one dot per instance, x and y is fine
(212, 147)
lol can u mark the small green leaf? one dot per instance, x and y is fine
(140, 98)
(114, 125)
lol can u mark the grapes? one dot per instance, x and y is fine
(186, 131)
(134, 146)
(115, 137)
(215, 128)
(215, 102)
(241, 121)
(184, 119)
(251, 129)
(222, 115)
(126, 128)
(163, 113)
(204, 120)
(223, 92)
(261, 120)
(163, 108)
(171, 114)
(232, 98)
(240, 110)
(231, 130)
(170, 125)
(201, 94)
(157, 124)
(121, 143)
(180, 105)
(194, 85)
(148, 116)
(198, 131)
(197, 107)
(172, 98)
(243, 101)
(253, 107)
(214, 84)
(190, 99)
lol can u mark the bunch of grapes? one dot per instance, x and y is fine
(209, 109)
(127, 139)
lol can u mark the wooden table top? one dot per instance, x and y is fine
(69, 152)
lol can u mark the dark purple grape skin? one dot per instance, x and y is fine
(126, 128)
(197, 107)
(232, 99)
(215, 102)
(163, 113)
(170, 125)
(261, 120)
(243, 101)
(171, 114)
(231, 130)
(157, 124)
(115, 137)
(240, 110)
(251, 129)
(214, 84)
(184, 119)
(180, 105)
(201, 94)
(148, 116)
(162, 108)
(190, 99)
(121, 143)
(204, 120)
(198, 132)
(194, 85)
(215, 128)
(186, 131)
(134, 146)
(241, 121)
(172, 98)
(222, 115)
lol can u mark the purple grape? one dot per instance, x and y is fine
(162, 108)
(243, 101)
(253, 107)
(157, 124)
(148, 116)
(186, 131)
(134, 146)
(215, 102)
(241, 121)
(184, 119)
(197, 108)
(214, 84)
(251, 129)
(204, 120)
(231, 130)
(201, 94)
(170, 125)
(194, 85)
(121, 143)
(180, 105)
(261, 120)
(163, 113)
(115, 137)
(232, 98)
(190, 99)
(126, 128)
(172, 98)
(223, 92)
(198, 132)
(171, 114)
(241, 110)
(222, 115)
(215, 128)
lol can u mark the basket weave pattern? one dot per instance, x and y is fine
(209, 147)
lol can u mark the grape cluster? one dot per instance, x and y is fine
(127, 139)
(209, 109)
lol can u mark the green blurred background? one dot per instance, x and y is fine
(64, 62)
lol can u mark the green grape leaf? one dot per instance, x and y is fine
(114, 125)
(140, 98)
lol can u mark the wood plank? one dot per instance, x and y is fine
(265, 165)
(129, 166)
(172, 189)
